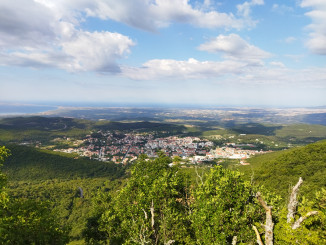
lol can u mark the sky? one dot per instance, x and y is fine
(185, 52)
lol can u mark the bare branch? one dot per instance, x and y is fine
(262, 202)
(153, 215)
(169, 242)
(259, 241)
(146, 217)
(200, 177)
(269, 225)
(298, 223)
(293, 202)
(234, 240)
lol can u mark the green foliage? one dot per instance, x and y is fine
(311, 231)
(45, 129)
(4, 153)
(56, 177)
(302, 131)
(213, 212)
(27, 221)
(256, 128)
(280, 170)
(156, 192)
(30, 222)
(28, 163)
(224, 207)
(139, 126)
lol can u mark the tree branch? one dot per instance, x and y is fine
(259, 241)
(269, 225)
(293, 202)
(145, 213)
(169, 242)
(234, 240)
(153, 215)
(200, 177)
(298, 223)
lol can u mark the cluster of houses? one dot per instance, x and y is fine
(123, 148)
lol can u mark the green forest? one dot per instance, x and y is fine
(57, 198)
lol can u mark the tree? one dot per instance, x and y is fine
(151, 208)
(30, 222)
(224, 208)
(4, 153)
(159, 206)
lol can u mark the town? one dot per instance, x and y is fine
(126, 147)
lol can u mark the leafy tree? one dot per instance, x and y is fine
(224, 208)
(30, 222)
(4, 153)
(151, 208)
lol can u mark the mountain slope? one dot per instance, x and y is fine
(281, 170)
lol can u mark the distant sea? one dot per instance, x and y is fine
(18, 109)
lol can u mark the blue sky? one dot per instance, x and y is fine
(244, 53)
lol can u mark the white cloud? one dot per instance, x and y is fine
(184, 69)
(228, 73)
(245, 8)
(97, 51)
(317, 36)
(181, 11)
(24, 27)
(233, 46)
(290, 39)
(49, 34)
(45, 35)
(277, 64)
(153, 14)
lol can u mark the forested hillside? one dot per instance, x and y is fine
(157, 204)
(280, 170)
(31, 164)
(67, 184)
(45, 129)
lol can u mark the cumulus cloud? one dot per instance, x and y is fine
(184, 69)
(25, 27)
(47, 35)
(96, 51)
(153, 14)
(229, 72)
(233, 46)
(317, 36)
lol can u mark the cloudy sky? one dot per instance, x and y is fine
(205, 52)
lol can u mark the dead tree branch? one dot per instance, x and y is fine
(200, 177)
(234, 240)
(145, 214)
(153, 215)
(293, 205)
(169, 242)
(293, 202)
(269, 225)
(299, 221)
(259, 241)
